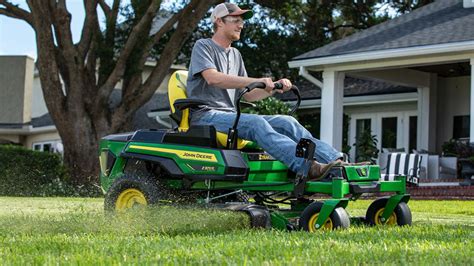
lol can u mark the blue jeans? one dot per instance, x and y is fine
(276, 134)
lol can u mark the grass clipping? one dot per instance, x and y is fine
(167, 220)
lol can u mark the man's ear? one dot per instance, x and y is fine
(220, 22)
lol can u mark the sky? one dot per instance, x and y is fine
(18, 38)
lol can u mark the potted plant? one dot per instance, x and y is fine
(366, 147)
(464, 151)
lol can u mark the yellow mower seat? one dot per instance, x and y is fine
(177, 90)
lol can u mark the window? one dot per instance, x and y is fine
(461, 126)
(389, 132)
(49, 146)
(362, 125)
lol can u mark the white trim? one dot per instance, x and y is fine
(158, 113)
(28, 130)
(471, 133)
(304, 73)
(152, 63)
(162, 122)
(364, 100)
(385, 54)
(332, 96)
(347, 101)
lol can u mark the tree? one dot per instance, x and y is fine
(76, 94)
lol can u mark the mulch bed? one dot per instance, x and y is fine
(442, 192)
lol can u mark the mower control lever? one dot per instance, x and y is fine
(232, 134)
(261, 85)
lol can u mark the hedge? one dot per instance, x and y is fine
(25, 172)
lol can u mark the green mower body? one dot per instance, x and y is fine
(200, 165)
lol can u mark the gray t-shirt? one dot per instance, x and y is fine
(208, 55)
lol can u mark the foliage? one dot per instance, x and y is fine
(58, 230)
(346, 147)
(269, 106)
(312, 122)
(79, 77)
(268, 40)
(366, 147)
(458, 148)
(79, 98)
(25, 172)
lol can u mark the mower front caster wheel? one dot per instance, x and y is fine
(401, 215)
(339, 219)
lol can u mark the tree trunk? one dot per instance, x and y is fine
(76, 95)
(80, 157)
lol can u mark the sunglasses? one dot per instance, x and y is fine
(237, 21)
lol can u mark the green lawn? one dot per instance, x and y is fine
(76, 231)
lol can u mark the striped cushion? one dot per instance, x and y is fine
(403, 164)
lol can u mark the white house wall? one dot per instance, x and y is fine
(12, 138)
(41, 137)
(453, 100)
(375, 113)
(38, 106)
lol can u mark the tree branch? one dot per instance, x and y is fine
(47, 63)
(105, 8)
(186, 24)
(88, 28)
(14, 11)
(149, 46)
(119, 68)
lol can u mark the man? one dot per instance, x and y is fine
(217, 73)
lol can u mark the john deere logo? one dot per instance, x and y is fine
(264, 157)
(190, 155)
(362, 171)
(196, 155)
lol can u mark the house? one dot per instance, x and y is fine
(430, 49)
(24, 118)
(408, 80)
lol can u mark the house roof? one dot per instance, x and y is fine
(141, 120)
(308, 91)
(352, 87)
(441, 22)
(159, 101)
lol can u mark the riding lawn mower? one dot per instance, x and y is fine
(197, 165)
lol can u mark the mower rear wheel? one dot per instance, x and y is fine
(339, 219)
(131, 192)
(401, 215)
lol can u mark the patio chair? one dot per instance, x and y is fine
(405, 164)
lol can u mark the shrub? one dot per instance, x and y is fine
(269, 106)
(25, 172)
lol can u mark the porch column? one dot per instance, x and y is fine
(332, 95)
(427, 109)
(471, 132)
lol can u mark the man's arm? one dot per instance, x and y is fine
(224, 81)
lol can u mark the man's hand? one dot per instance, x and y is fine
(286, 85)
(268, 84)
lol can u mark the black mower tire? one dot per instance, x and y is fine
(339, 219)
(143, 189)
(401, 216)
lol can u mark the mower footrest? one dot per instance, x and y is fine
(355, 188)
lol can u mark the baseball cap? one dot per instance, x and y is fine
(229, 9)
